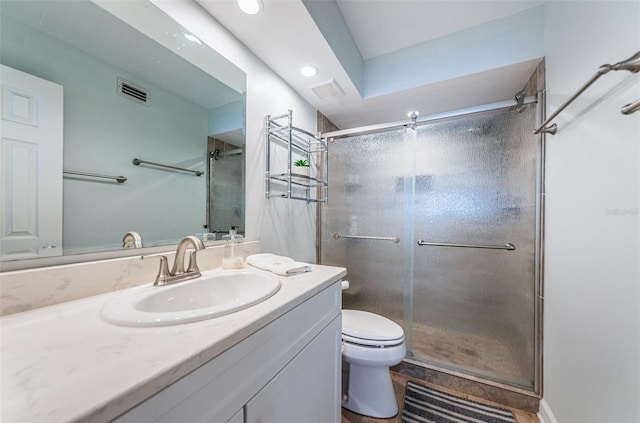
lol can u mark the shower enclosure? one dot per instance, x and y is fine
(225, 187)
(462, 195)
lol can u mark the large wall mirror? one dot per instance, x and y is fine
(135, 85)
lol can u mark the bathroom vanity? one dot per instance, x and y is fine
(276, 361)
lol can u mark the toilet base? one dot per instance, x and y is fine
(371, 392)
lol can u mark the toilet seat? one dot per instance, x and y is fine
(369, 329)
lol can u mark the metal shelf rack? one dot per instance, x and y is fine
(299, 145)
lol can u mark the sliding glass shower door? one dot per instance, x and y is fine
(367, 177)
(470, 182)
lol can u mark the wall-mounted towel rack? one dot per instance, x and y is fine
(119, 179)
(630, 108)
(632, 64)
(394, 239)
(508, 246)
(182, 169)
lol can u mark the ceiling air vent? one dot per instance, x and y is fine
(133, 91)
(327, 89)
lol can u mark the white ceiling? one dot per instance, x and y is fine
(285, 36)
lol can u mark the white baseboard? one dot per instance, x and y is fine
(545, 415)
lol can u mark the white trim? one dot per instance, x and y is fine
(545, 415)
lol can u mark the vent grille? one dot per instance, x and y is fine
(133, 91)
(327, 89)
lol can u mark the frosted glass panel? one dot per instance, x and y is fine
(366, 198)
(469, 180)
(473, 309)
(226, 200)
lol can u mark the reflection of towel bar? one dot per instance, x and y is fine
(217, 153)
(120, 179)
(395, 239)
(507, 246)
(138, 161)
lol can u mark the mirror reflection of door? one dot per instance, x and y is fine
(193, 94)
(30, 166)
(225, 193)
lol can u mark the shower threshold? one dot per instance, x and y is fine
(483, 388)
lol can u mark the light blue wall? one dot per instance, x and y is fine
(592, 224)
(103, 132)
(502, 42)
(227, 118)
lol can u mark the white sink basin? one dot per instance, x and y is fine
(215, 293)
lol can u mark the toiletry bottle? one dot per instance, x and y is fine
(206, 235)
(233, 250)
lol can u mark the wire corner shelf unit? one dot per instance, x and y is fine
(290, 181)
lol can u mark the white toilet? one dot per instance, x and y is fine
(371, 344)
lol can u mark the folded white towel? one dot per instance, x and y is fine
(280, 265)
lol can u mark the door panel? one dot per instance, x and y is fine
(31, 172)
(474, 309)
(469, 180)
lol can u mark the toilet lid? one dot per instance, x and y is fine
(364, 327)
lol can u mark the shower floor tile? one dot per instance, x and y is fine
(399, 382)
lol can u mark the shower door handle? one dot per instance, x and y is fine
(394, 239)
(508, 246)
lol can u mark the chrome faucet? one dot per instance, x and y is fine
(178, 273)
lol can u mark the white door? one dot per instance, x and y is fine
(30, 166)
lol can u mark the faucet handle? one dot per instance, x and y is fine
(163, 272)
(193, 265)
(178, 262)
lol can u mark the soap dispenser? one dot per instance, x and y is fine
(206, 235)
(233, 250)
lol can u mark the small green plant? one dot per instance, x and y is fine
(301, 163)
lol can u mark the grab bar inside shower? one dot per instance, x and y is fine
(394, 239)
(139, 161)
(508, 246)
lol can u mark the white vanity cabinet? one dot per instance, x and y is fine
(287, 371)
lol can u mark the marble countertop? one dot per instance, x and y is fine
(64, 363)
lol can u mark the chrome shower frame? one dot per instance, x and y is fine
(436, 117)
(539, 139)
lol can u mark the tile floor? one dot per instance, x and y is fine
(399, 382)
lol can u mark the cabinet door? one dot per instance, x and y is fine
(308, 388)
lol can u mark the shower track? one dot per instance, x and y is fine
(517, 102)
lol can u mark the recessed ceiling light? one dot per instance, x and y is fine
(309, 70)
(250, 7)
